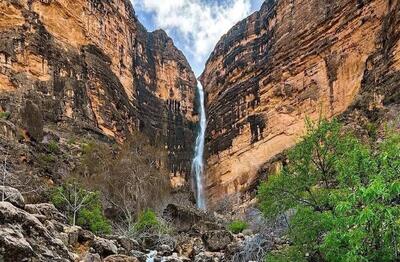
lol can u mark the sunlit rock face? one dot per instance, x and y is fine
(289, 61)
(91, 64)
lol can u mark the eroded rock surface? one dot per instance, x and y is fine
(90, 65)
(24, 237)
(12, 195)
(289, 61)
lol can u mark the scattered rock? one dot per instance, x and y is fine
(165, 250)
(247, 232)
(92, 258)
(217, 240)
(120, 258)
(128, 244)
(85, 236)
(190, 247)
(182, 217)
(139, 255)
(42, 235)
(209, 257)
(12, 195)
(104, 247)
(47, 210)
(64, 238)
(73, 234)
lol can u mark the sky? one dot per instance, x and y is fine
(194, 25)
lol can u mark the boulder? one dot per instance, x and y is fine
(104, 247)
(73, 234)
(92, 258)
(64, 238)
(182, 217)
(85, 236)
(12, 195)
(128, 244)
(47, 210)
(33, 121)
(13, 244)
(209, 257)
(139, 255)
(165, 250)
(174, 258)
(189, 247)
(217, 240)
(120, 258)
(204, 226)
(24, 237)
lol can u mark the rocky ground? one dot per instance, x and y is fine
(39, 232)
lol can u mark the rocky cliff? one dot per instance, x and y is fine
(288, 61)
(74, 65)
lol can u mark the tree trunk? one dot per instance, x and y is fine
(74, 218)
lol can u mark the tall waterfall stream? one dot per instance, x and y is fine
(198, 160)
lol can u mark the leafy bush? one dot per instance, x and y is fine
(82, 207)
(345, 194)
(5, 115)
(94, 220)
(147, 221)
(237, 226)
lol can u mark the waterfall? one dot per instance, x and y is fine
(198, 160)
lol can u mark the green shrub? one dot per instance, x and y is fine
(94, 219)
(147, 221)
(88, 147)
(5, 115)
(237, 226)
(81, 206)
(46, 161)
(53, 147)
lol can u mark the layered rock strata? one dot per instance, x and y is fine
(91, 65)
(289, 61)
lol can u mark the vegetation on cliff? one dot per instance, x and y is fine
(344, 194)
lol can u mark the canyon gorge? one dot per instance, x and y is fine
(73, 71)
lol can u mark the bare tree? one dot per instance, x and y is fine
(5, 174)
(130, 181)
(73, 197)
(138, 179)
(26, 185)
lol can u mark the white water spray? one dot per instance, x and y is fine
(198, 160)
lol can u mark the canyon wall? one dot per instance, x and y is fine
(291, 60)
(90, 65)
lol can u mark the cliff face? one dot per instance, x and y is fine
(90, 64)
(289, 61)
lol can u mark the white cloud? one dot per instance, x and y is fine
(199, 24)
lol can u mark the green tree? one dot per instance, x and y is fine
(81, 206)
(345, 196)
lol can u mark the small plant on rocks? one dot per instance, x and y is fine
(237, 226)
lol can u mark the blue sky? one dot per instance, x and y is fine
(194, 25)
